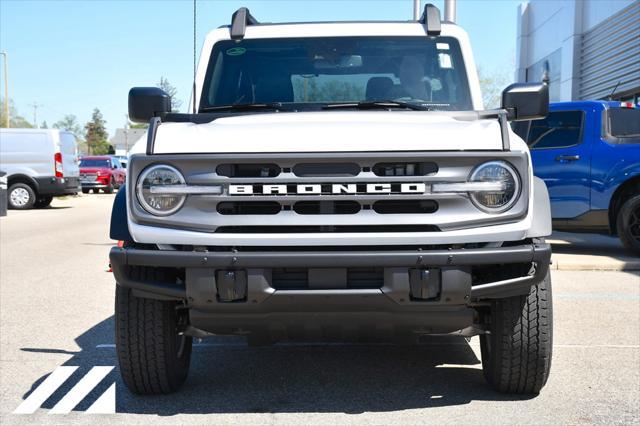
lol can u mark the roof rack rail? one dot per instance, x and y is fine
(431, 18)
(239, 21)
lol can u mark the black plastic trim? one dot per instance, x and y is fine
(538, 253)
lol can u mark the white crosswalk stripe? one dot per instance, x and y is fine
(45, 390)
(105, 404)
(81, 389)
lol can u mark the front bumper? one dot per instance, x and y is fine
(392, 307)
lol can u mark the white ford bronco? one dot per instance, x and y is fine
(335, 181)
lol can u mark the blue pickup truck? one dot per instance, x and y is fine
(588, 154)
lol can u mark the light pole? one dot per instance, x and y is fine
(6, 91)
(416, 10)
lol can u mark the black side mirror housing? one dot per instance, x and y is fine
(148, 102)
(526, 101)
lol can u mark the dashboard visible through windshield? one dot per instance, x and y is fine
(313, 72)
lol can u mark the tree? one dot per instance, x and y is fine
(69, 123)
(492, 86)
(15, 119)
(172, 91)
(44, 125)
(96, 134)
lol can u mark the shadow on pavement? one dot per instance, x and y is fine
(227, 376)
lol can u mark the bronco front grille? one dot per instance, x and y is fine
(329, 192)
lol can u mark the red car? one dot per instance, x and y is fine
(101, 172)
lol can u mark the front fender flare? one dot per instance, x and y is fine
(119, 229)
(541, 210)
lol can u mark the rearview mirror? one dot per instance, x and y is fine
(526, 101)
(148, 102)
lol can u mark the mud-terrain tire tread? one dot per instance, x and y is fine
(147, 344)
(522, 340)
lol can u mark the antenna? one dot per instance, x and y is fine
(610, 97)
(194, 55)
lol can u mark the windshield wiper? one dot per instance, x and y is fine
(385, 104)
(276, 106)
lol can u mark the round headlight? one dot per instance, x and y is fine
(492, 201)
(157, 203)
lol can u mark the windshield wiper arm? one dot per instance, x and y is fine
(385, 104)
(276, 106)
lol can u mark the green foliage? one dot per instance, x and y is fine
(172, 91)
(15, 120)
(96, 134)
(69, 123)
(492, 85)
(44, 125)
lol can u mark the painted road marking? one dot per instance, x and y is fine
(104, 404)
(81, 389)
(45, 390)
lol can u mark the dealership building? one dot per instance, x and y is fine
(590, 48)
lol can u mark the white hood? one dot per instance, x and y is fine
(328, 131)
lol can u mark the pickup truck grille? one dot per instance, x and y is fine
(328, 192)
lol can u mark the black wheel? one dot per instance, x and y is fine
(43, 202)
(21, 196)
(154, 358)
(109, 188)
(628, 224)
(516, 355)
(85, 190)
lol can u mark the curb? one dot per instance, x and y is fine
(596, 263)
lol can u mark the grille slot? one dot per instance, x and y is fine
(298, 278)
(326, 207)
(326, 169)
(248, 207)
(424, 168)
(405, 206)
(248, 170)
(292, 229)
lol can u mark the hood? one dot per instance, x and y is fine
(328, 131)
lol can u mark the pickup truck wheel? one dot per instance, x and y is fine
(109, 188)
(153, 357)
(628, 224)
(516, 356)
(43, 202)
(85, 190)
(21, 196)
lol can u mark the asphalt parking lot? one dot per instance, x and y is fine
(56, 309)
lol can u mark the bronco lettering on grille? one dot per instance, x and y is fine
(336, 189)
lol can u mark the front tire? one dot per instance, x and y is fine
(516, 356)
(21, 196)
(154, 358)
(628, 224)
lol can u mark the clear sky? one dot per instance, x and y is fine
(73, 56)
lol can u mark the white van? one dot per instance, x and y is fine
(40, 164)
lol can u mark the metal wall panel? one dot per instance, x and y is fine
(610, 53)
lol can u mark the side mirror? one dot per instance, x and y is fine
(148, 102)
(526, 101)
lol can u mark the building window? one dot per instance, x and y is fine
(552, 62)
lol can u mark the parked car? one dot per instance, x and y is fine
(101, 172)
(40, 164)
(392, 206)
(588, 153)
(123, 160)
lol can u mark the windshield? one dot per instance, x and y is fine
(90, 162)
(312, 72)
(624, 122)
